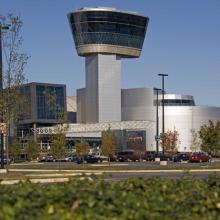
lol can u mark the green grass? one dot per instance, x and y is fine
(142, 166)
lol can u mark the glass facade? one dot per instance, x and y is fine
(50, 101)
(108, 27)
(24, 108)
(178, 102)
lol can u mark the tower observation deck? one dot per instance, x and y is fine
(103, 36)
(108, 30)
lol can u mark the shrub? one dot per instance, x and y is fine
(154, 198)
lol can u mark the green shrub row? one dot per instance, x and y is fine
(154, 198)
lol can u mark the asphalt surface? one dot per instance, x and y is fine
(117, 175)
(124, 165)
(172, 175)
(117, 171)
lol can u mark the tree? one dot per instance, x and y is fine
(195, 141)
(82, 148)
(12, 102)
(32, 149)
(54, 106)
(14, 148)
(210, 137)
(108, 147)
(170, 141)
(58, 146)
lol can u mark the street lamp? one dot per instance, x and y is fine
(162, 75)
(157, 137)
(2, 27)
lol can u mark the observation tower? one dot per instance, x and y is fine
(103, 36)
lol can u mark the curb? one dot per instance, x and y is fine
(60, 174)
(49, 180)
(3, 170)
(117, 171)
(52, 180)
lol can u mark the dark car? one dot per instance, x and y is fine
(10, 160)
(151, 155)
(200, 157)
(89, 159)
(181, 157)
(164, 156)
(127, 156)
(113, 158)
(47, 158)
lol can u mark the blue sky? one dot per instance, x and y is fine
(183, 40)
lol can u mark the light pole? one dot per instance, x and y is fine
(2, 27)
(163, 128)
(157, 138)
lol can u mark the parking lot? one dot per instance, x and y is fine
(117, 165)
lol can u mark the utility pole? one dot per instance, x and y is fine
(163, 121)
(157, 137)
(2, 27)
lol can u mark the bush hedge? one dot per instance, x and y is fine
(154, 198)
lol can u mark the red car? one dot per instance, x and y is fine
(200, 157)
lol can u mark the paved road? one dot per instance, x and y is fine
(138, 165)
(173, 175)
(125, 170)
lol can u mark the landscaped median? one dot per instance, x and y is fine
(43, 176)
(51, 173)
(93, 198)
(116, 166)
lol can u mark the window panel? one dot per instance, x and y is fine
(44, 111)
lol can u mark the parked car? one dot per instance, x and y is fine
(70, 158)
(181, 157)
(10, 160)
(112, 158)
(127, 156)
(151, 155)
(200, 157)
(89, 159)
(47, 158)
(67, 158)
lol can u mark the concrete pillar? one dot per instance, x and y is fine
(103, 89)
(35, 132)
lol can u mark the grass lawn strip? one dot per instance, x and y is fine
(61, 174)
(113, 166)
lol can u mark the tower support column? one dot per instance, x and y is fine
(103, 88)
